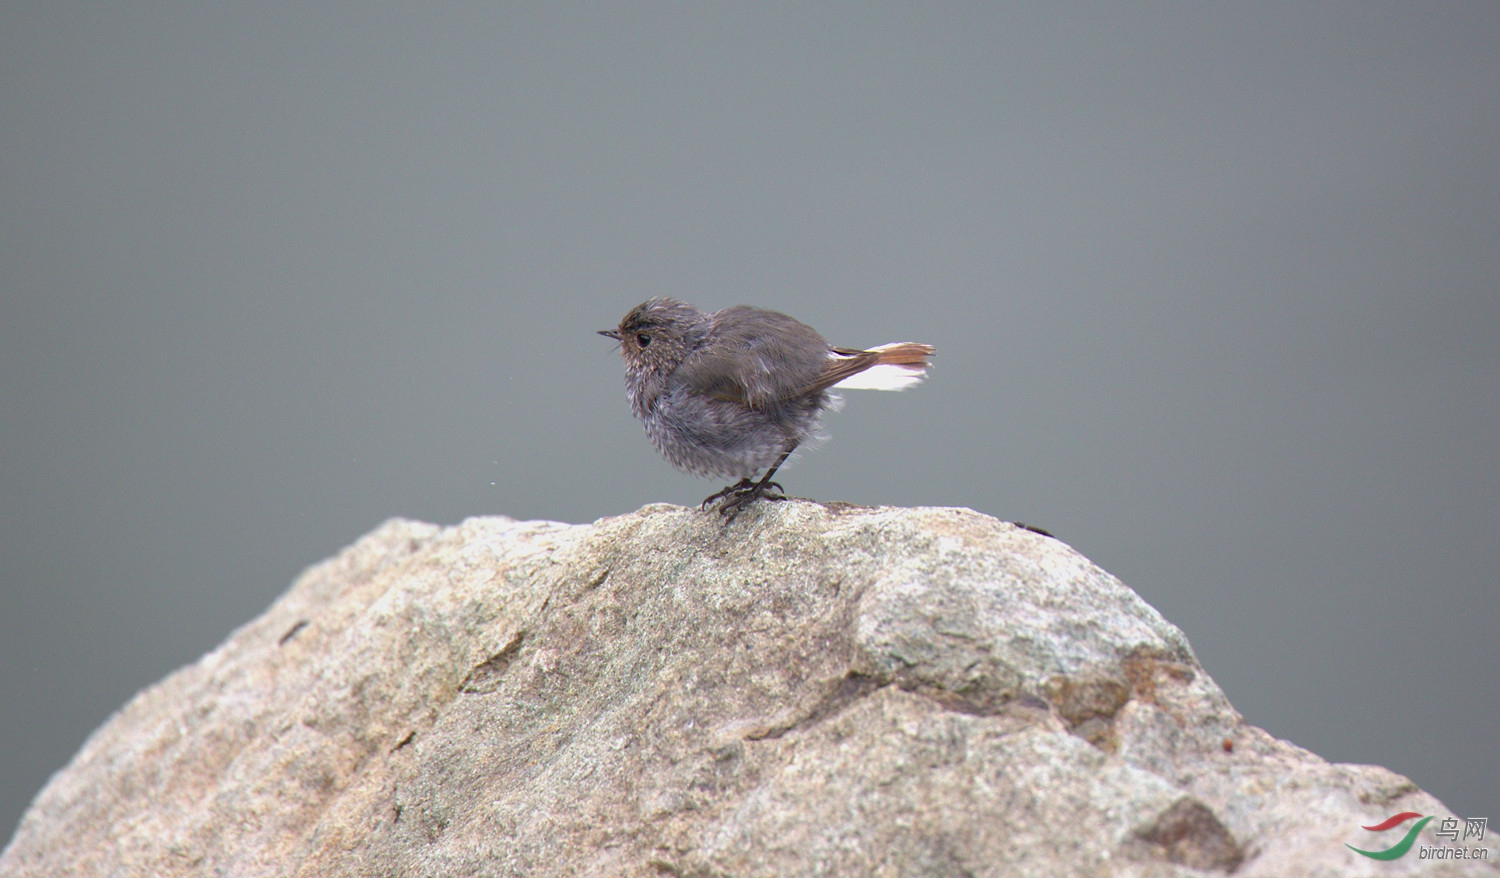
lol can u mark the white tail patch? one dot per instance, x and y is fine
(884, 376)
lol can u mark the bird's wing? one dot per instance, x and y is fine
(757, 358)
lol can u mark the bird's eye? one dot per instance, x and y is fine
(643, 338)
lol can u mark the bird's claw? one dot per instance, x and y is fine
(742, 494)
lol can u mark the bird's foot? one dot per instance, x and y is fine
(742, 494)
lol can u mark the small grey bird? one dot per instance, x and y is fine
(731, 392)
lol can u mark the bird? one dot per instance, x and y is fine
(732, 392)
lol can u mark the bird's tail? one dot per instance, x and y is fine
(887, 367)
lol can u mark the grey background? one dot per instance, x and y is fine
(1215, 290)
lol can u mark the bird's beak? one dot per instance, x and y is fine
(610, 333)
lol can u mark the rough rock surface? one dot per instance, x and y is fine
(815, 690)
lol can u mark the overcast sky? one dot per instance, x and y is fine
(1215, 291)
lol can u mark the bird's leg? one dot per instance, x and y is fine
(744, 492)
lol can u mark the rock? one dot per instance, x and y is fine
(815, 690)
